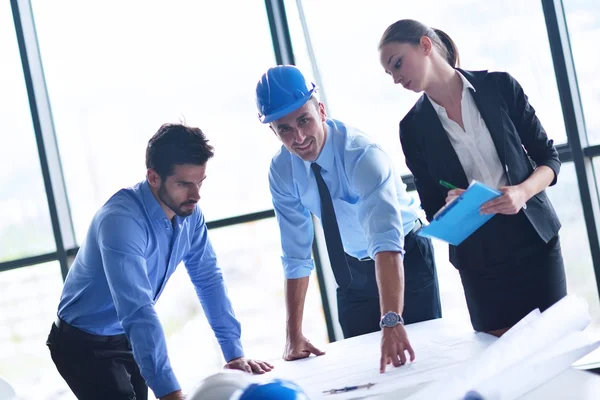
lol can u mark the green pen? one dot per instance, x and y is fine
(447, 185)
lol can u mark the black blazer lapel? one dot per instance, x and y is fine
(487, 100)
(443, 155)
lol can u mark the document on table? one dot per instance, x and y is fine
(439, 348)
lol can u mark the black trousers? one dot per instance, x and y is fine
(358, 306)
(96, 367)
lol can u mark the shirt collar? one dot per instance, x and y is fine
(326, 157)
(150, 202)
(466, 86)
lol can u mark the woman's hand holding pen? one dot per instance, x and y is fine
(454, 194)
(511, 202)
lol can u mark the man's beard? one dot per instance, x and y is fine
(178, 210)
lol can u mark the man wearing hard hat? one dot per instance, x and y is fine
(385, 272)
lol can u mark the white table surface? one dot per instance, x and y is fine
(440, 346)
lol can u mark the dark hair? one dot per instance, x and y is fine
(176, 144)
(411, 31)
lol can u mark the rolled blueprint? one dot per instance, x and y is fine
(546, 343)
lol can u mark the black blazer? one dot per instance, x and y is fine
(519, 138)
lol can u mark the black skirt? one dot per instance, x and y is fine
(510, 273)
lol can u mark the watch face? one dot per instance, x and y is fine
(390, 319)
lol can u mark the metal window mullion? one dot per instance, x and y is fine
(568, 89)
(280, 32)
(311, 55)
(43, 125)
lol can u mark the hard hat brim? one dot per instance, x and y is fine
(282, 112)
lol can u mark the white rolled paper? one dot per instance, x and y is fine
(545, 343)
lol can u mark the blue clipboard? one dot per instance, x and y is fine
(458, 219)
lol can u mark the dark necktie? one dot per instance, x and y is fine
(335, 248)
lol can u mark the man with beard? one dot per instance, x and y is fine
(107, 341)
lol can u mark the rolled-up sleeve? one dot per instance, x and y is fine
(207, 277)
(122, 242)
(295, 228)
(372, 177)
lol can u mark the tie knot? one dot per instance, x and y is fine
(316, 168)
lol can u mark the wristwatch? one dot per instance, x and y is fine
(390, 319)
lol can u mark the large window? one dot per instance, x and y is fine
(25, 228)
(581, 279)
(118, 70)
(28, 302)
(507, 35)
(583, 19)
(575, 250)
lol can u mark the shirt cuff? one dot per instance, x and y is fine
(294, 268)
(232, 350)
(164, 383)
(386, 241)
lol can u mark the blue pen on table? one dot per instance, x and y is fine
(349, 388)
(447, 185)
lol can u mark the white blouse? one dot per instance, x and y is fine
(473, 145)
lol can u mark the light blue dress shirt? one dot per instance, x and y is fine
(130, 251)
(372, 207)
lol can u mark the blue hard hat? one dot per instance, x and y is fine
(277, 389)
(281, 90)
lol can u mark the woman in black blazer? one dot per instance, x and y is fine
(479, 125)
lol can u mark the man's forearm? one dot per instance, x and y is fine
(149, 346)
(389, 270)
(295, 294)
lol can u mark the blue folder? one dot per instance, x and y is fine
(458, 219)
